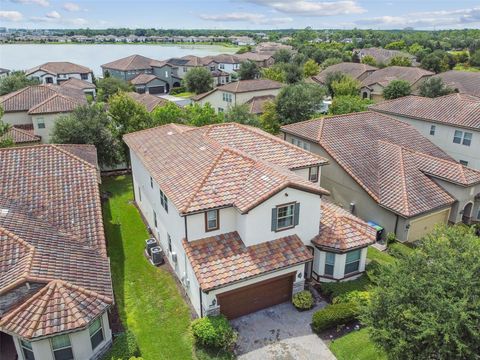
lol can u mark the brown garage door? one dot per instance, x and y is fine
(254, 297)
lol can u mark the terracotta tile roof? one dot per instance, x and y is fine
(465, 82)
(78, 84)
(220, 165)
(57, 103)
(20, 136)
(143, 79)
(254, 56)
(243, 86)
(354, 70)
(220, 260)
(390, 159)
(383, 55)
(60, 67)
(223, 58)
(85, 152)
(255, 104)
(132, 62)
(460, 110)
(386, 75)
(150, 101)
(342, 231)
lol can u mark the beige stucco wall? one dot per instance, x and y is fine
(50, 120)
(17, 118)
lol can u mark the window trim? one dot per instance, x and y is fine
(278, 229)
(207, 229)
(63, 348)
(26, 348)
(351, 262)
(96, 332)
(310, 173)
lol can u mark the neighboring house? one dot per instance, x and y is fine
(55, 281)
(383, 56)
(57, 72)
(235, 210)
(238, 93)
(40, 106)
(149, 84)
(262, 60)
(256, 103)
(385, 171)
(226, 62)
(269, 48)
(452, 122)
(374, 84)
(150, 102)
(21, 136)
(354, 70)
(4, 72)
(221, 71)
(463, 82)
(128, 68)
(87, 87)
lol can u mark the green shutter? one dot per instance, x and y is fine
(296, 215)
(274, 219)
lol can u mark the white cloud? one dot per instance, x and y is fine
(246, 17)
(11, 15)
(77, 22)
(312, 8)
(70, 6)
(53, 15)
(43, 3)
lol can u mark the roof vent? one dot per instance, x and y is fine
(170, 133)
(3, 212)
(265, 178)
(202, 148)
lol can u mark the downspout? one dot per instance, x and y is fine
(186, 232)
(201, 305)
(396, 225)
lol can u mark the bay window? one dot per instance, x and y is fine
(352, 263)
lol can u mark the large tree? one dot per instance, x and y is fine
(283, 56)
(345, 86)
(434, 87)
(332, 77)
(427, 304)
(89, 124)
(170, 113)
(248, 70)
(396, 89)
(475, 58)
(241, 114)
(310, 68)
(269, 119)
(400, 60)
(346, 104)
(15, 81)
(5, 140)
(299, 102)
(110, 86)
(198, 80)
(198, 115)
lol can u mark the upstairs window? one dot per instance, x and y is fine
(300, 143)
(463, 162)
(222, 66)
(27, 350)
(329, 263)
(151, 182)
(212, 220)
(84, 76)
(352, 263)
(432, 130)
(62, 348)
(96, 333)
(169, 240)
(41, 123)
(467, 139)
(313, 174)
(457, 137)
(155, 219)
(227, 97)
(164, 200)
(285, 216)
(464, 138)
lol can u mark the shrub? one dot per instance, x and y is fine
(124, 348)
(178, 90)
(399, 250)
(303, 300)
(391, 238)
(214, 332)
(334, 289)
(359, 298)
(333, 315)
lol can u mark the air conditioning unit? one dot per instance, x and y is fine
(149, 244)
(157, 256)
(174, 257)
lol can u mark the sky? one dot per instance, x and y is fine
(241, 14)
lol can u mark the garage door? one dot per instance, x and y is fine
(255, 297)
(422, 226)
(156, 89)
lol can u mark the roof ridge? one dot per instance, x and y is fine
(404, 182)
(56, 146)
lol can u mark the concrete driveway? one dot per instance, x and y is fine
(281, 333)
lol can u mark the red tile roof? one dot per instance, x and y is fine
(220, 165)
(143, 79)
(57, 103)
(465, 82)
(60, 67)
(342, 231)
(78, 84)
(390, 159)
(224, 259)
(460, 110)
(244, 86)
(20, 136)
(354, 70)
(386, 75)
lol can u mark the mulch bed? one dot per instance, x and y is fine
(339, 331)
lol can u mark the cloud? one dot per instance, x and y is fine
(11, 15)
(312, 8)
(43, 3)
(246, 17)
(70, 6)
(53, 15)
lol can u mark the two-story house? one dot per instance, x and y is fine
(57, 72)
(452, 122)
(463, 82)
(238, 214)
(387, 172)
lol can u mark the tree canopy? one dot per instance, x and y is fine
(16, 80)
(346, 104)
(299, 102)
(241, 114)
(345, 86)
(396, 89)
(198, 80)
(110, 86)
(248, 70)
(434, 87)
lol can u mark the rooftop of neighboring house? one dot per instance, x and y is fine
(43, 99)
(256, 103)
(4, 71)
(78, 84)
(355, 70)
(464, 82)
(460, 110)
(60, 67)
(52, 242)
(253, 56)
(20, 136)
(224, 58)
(271, 47)
(244, 86)
(383, 55)
(150, 101)
(389, 159)
(386, 75)
(143, 79)
(132, 62)
(220, 165)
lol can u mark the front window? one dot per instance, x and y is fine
(464, 138)
(96, 333)
(285, 216)
(313, 174)
(432, 130)
(227, 97)
(352, 263)
(212, 220)
(329, 263)
(41, 123)
(27, 350)
(62, 348)
(300, 143)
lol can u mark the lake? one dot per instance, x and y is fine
(26, 56)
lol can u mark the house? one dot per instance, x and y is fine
(235, 210)
(383, 56)
(220, 68)
(39, 106)
(374, 84)
(226, 62)
(57, 72)
(262, 60)
(463, 82)
(55, 282)
(128, 68)
(256, 103)
(4, 72)
(87, 87)
(452, 122)
(270, 48)
(238, 93)
(385, 171)
(354, 70)
(150, 102)
(148, 84)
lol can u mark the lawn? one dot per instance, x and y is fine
(462, 67)
(356, 346)
(185, 94)
(148, 300)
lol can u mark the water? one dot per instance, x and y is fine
(26, 56)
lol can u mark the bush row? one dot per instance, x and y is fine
(333, 315)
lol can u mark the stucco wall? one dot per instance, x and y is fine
(339, 265)
(17, 118)
(49, 120)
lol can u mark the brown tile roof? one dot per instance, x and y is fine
(57, 103)
(390, 159)
(60, 67)
(386, 75)
(342, 231)
(243, 86)
(132, 62)
(20, 136)
(221, 260)
(465, 82)
(85, 152)
(354, 70)
(460, 110)
(220, 165)
(223, 58)
(150, 101)
(383, 55)
(253, 56)
(78, 84)
(255, 104)
(143, 79)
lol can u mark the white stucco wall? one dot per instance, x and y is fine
(339, 266)
(42, 76)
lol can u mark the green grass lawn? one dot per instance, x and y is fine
(462, 67)
(147, 298)
(381, 257)
(185, 94)
(356, 346)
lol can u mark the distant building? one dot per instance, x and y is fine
(57, 72)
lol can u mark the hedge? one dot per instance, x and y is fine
(333, 315)
(214, 332)
(334, 289)
(124, 348)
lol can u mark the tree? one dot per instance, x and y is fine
(396, 45)
(248, 70)
(15, 81)
(274, 72)
(426, 304)
(5, 140)
(396, 89)
(310, 68)
(110, 86)
(198, 115)
(434, 87)
(331, 61)
(345, 86)
(282, 56)
(400, 61)
(438, 61)
(346, 104)
(293, 73)
(89, 124)
(332, 77)
(241, 114)
(298, 102)
(269, 119)
(369, 60)
(170, 113)
(475, 58)
(198, 80)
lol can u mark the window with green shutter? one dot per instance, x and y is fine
(285, 216)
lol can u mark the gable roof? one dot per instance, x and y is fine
(20, 136)
(382, 55)
(465, 82)
(150, 101)
(354, 70)
(389, 159)
(143, 79)
(220, 165)
(132, 62)
(255, 104)
(60, 67)
(78, 84)
(57, 103)
(386, 75)
(455, 109)
(243, 86)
